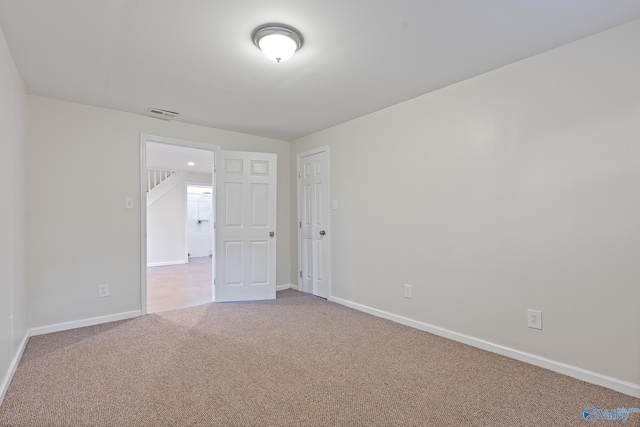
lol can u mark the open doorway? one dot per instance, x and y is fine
(199, 220)
(179, 231)
(244, 239)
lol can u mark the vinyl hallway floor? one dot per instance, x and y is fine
(179, 286)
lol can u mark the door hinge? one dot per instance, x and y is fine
(301, 274)
(300, 224)
(299, 174)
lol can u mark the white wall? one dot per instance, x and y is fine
(516, 189)
(166, 227)
(83, 162)
(13, 121)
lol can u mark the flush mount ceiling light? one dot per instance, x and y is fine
(277, 41)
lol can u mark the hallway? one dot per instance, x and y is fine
(179, 286)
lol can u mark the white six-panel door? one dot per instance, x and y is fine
(314, 211)
(245, 267)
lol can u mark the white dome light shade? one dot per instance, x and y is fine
(278, 42)
(277, 47)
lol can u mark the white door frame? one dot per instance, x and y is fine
(188, 184)
(299, 156)
(144, 138)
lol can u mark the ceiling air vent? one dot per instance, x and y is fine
(163, 114)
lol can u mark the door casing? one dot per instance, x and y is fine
(144, 138)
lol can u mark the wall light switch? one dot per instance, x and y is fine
(334, 205)
(128, 203)
(103, 290)
(408, 291)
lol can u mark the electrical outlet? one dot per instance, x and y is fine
(408, 291)
(534, 319)
(103, 290)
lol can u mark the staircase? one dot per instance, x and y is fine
(160, 182)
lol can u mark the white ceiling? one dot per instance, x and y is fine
(176, 158)
(196, 57)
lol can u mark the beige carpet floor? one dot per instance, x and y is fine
(294, 361)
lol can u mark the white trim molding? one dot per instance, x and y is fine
(65, 326)
(283, 287)
(616, 384)
(4, 386)
(164, 264)
(144, 138)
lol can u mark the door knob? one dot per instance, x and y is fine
(271, 234)
(322, 233)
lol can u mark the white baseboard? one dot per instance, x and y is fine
(4, 386)
(616, 384)
(164, 264)
(84, 322)
(282, 287)
(294, 287)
